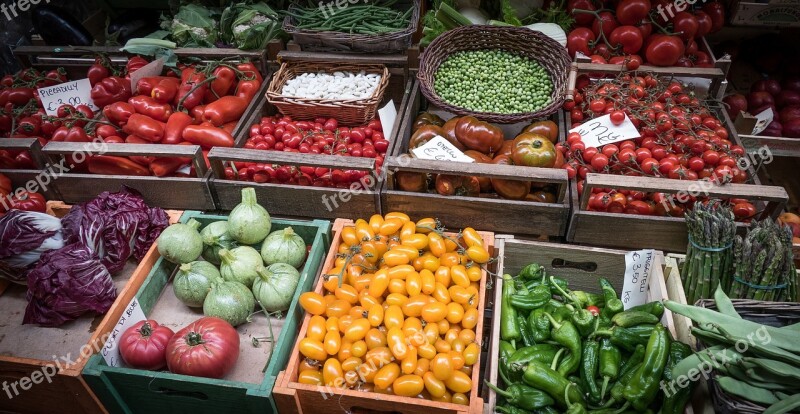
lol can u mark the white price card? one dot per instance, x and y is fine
(763, 119)
(388, 115)
(132, 315)
(440, 149)
(601, 131)
(151, 69)
(73, 93)
(638, 268)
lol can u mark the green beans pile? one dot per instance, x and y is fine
(373, 18)
(493, 81)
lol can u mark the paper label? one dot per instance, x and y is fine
(638, 267)
(73, 93)
(763, 118)
(388, 115)
(153, 68)
(440, 149)
(600, 131)
(132, 315)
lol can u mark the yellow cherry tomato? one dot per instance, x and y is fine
(349, 237)
(450, 244)
(409, 363)
(427, 351)
(366, 300)
(471, 354)
(408, 386)
(362, 282)
(310, 378)
(459, 382)
(390, 226)
(471, 237)
(457, 358)
(460, 398)
(401, 272)
(398, 286)
(332, 324)
(450, 259)
(395, 258)
(442, 366)
(436, 244)
(434, 312)
(455, 312)
(357, 330)
(474, 273)
(409, 251)
(478, 254)
(393, 317)
(470, 318)
(359, 348)
(413, 307)
(313, 303)
(452, 334)
(331, 280)
(332, 342)
(378, 357)
(367, 373)
(351, 364)
(446, 398)
(422, 366)
(397, 299)
(375, 222)
(345, 350)
(467, 370)
(474, 297)
(427, 281)
(397, 343)
(444, 325)
(442, 346)
(375, 338)
(351, 378)
(345, 322)
(380, 281)
(426, 225)
(459, 294)
(416, 240)
(396, 214)
(329, 299)
(411, 326)
(435, 386)
(414, 284)
(316, 328)
(363, 230)
(312, 349)
(431, 331)
(430, 262)
(338, 308)
(357, 312)
(442, 275)
(459, 275)
(441, 294)
(308, 364)
(375, 315)
(467, 335)
(386, 375)
(409, 228)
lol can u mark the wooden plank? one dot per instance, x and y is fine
(510, 172)
(289, 158)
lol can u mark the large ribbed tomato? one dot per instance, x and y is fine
(144, 345)
(208, 347)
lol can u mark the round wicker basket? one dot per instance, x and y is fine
(519, 40)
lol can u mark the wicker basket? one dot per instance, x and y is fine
(347, 112)
(326, 41)
(519, 40)
(776, 314)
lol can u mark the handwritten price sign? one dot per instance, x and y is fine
(73, 93)
(601, 131)
(638, 266)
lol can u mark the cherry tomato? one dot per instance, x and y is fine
(594, 310)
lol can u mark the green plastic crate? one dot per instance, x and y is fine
(126, 390)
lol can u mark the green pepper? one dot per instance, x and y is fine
(609, 359)
(561, 314)
(565, 295)
(532, 271)
(525, 332)
(643, 387)
(627, 338)
(539, 325)
(608, 290)
(566, 334)
(506, 351)
(544, 353)
(613, 307)
(633, 360)
(588, 299)
(619, 387)
(523, 396)
(574, 408)
(675, 402)
(589, 363)
(540, 376)
(535, 298)
(546, 410)
(584, 321)
(510, 409)
(631, 318)
(655, 308)
(509, 327)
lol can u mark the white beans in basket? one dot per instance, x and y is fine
(336, 86)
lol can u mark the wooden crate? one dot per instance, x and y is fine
(28, 349)
(294, 397)
(166, 192)
(774, 13)
(248, 387)
(571, 263)
(662, 233)
(495, 214)
(306, 201)
(21, 178)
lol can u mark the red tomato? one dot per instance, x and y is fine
(630, 12)
(664, 50)
(744, 210)
(629, 37)
(594, 310)
(578, 41)
(144, 345)
(208, 347)
(607, 22)
(617, 117)
(685, 25)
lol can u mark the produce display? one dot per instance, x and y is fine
(485, 143)
(493, 81)
(336, 86)
(372, 18)
(320, 136)
(764, 373)
(397, 313)
(783, 98)
(570, 351)
(681, 139)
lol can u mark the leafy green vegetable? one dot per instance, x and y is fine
(193, 26)
(510, 14)
(250, 26)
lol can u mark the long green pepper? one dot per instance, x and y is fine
(643, 387)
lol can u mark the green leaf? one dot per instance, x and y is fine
(158, 34)
(195, 15)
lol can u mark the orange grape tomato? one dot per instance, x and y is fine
(344, 350)
(460, 398)
(351, 364)
(375, 338)
(426, 225)
(466, 335)
(427, 351)
(398, 286)
(349, 237)
(459, 294)
(414, 284)
(331, 282)
(385, 391)
(442, 366)
(370, 251)
(409, 251)
(396, 257)
(312, 349)
(444, 325)
(423, 364)
(450, 244)
(397, 343)
(332, 324)
(366, 300)
(393, 317)
(343, 250)
(446, 398)
(417, 241)
(455, 312)
(409, 229)
(430, 262)
(313, 303)
(427, 281)
(375, 315)
(351, 378)
(329, 299)
(459, 275)
(386, 375)
(409, 363)
(471, 237)
(375, 222)
(379, 283)
(471, 354)
(353, 271)
(397, 299)
(411, 325)
(392, 242)
(457, 358)
(442, 275)
(359, 348)
(434, 312)
(362, 282)
(435, 386)
(413, 307)
(474, 297)
(459, 382)
(379, 356)
(367, 372)
(474, 273)
(450, 259)
(357, 330)
(442, 345)
(345, 322)
(331, 371)
(470, 318)
(396, 214)
(408, 386)
(310, 378)
(478, 254)
(332, 342)
(436, 244)
(390, 226)
(431, 332)
(452, 334)
(308, 364)
(357, 311)
(316, 328)
(363, 230)
(441, 294)
(400, 272)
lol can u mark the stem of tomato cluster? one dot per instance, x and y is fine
(194, 88)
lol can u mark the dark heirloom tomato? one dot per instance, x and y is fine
(506, 149)
(547, 128)
(427, 118)
(510, 189)
(478, 135)
(411, 181)
(426, 133)
(533, 150)
(208, 347)
(457, 185)
(144, 345)
(479, 157)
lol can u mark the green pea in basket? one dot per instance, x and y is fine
(518, 41)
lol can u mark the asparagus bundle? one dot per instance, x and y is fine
(764, 264)
(709, 257)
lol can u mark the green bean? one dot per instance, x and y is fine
(778, 368)
(785, 405)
